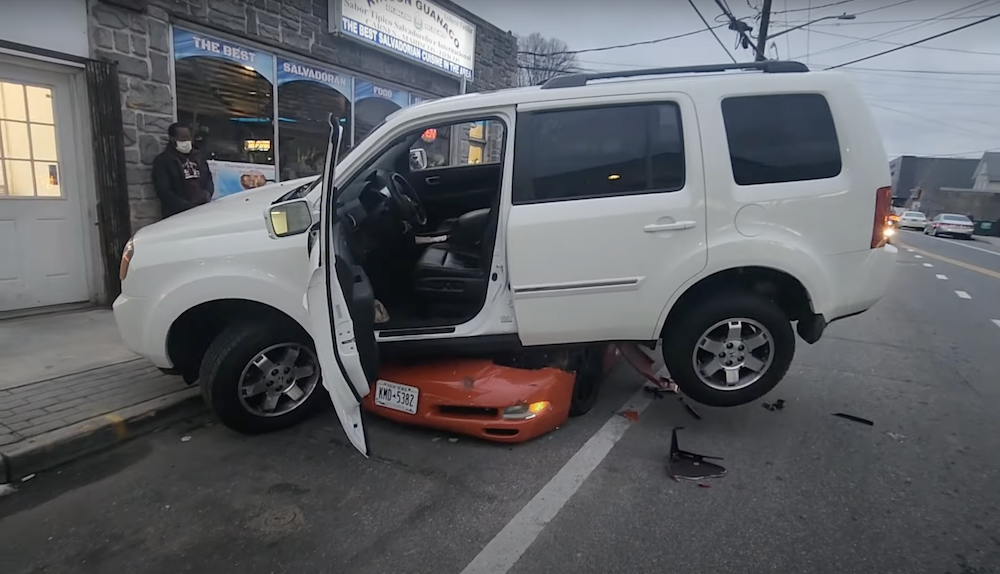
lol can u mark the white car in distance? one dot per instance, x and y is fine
(630, 211)
(912, 220)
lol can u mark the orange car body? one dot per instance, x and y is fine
(468, 397)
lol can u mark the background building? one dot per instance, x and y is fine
(89, 87)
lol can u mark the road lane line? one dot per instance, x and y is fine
(928, 265)
(942, 277)
(996, 322)
(963, 295)
(962, 264)
(909, 251)
(919, 256)
(501, 553)
(967, 245)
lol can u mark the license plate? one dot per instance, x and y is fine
(396, 396)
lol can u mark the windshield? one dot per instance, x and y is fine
(956, 218)
(299, 192)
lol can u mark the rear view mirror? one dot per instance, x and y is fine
(288, 218)
(418, 159)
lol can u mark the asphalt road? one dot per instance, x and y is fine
(805, 491)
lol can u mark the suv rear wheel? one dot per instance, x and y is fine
(729, 349)
(259, 378)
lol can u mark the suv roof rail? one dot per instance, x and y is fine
(767, 66)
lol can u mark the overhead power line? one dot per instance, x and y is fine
(814, 7)
(927, 39)
(620, 46)
(959, 50)
(712, 30)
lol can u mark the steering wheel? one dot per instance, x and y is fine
(405, 198)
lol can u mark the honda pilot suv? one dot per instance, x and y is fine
(715, 209)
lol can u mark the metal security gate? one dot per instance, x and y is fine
(113, 213)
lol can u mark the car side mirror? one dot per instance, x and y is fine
(418, 159)
(288, 218)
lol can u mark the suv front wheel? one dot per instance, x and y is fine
(729, 349)
(260, 377)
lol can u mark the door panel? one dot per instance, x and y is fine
(590, 261)
(41, 214)
(451, 191)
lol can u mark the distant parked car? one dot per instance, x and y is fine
(958, 226)
(912, 220)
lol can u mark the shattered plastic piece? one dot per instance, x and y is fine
(703, 485)
(768, 406)
(689, 408)
(855, 419)
(453, 439)
(6, 489)
(28, 477)
(684, 465)
(435, 439)
(630, 415)
(657, 392)
(185, 438)
(779, 404)
(895, 436)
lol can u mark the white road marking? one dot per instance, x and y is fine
(963, 295)
(942, 277)
(919, 256)
(501, 553)
(928, 265)
(965, 244)
(996, 322)
(909, 251)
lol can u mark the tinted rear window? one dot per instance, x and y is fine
(916, 214)
(781, 138)
(956, 218)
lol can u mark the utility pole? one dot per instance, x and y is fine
(765, 19)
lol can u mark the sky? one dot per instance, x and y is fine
(940, 98)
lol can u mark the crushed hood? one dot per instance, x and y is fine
(235, 213)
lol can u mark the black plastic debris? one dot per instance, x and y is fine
(684, 465)
(689, 408)
(657, 392)
(775, 406)
(854, 419)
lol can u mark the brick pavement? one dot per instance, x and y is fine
(33, 409)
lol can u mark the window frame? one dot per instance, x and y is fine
(729, 151)
(523, 144)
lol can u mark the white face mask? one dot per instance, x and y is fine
(184, 147)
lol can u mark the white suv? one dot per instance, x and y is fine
(701, 206)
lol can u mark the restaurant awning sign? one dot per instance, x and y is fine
(415, 29)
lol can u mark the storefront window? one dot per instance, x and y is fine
(307, 95)
(372, 104)
(225, 94)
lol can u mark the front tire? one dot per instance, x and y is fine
(261, 377)
(589, 367)
(729, 349)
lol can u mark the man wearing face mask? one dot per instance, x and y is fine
(180, 174)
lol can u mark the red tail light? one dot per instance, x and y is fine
(883, 206)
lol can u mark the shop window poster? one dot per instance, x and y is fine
(189, 44)
(233, 177)
(365, 90)
(291, 71)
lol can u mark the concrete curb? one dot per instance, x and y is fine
(53, 448)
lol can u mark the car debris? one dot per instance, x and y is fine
(631, 415)
(686, 465)
(775, 406)
(854, 419)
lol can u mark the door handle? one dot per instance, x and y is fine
(675, 226)
(433, 180)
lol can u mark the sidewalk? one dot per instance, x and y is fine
(69, 387)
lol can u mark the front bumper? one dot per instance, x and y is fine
(133, 315)
(468, 396)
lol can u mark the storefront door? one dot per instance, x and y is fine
(42, 245)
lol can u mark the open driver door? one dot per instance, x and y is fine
(341, 307)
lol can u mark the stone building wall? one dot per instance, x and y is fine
(138, 39)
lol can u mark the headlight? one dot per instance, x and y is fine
(126, 259)
(525, 411)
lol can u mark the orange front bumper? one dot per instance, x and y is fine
(468, 396)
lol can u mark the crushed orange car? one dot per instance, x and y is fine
(489, 400)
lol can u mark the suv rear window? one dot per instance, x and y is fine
(598, 152)
(781, 138)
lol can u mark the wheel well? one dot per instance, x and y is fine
(787, 291)
(192, 332)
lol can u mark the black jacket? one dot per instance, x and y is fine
(168, 180)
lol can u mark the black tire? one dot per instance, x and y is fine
(223, 364)
(682, 336)
(589, 366)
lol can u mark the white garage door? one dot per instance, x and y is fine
(42, 247)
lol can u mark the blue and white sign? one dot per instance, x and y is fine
(291, 71)
(189, 44)
(364, 90)
(417, 29)
(415, 99)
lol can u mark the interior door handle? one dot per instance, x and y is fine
(433, 180)
(675, 226)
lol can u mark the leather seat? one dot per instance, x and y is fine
(457, 270)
